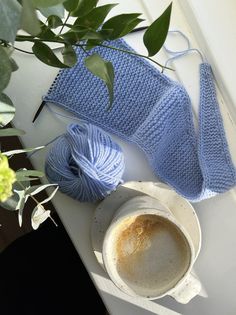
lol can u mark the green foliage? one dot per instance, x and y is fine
(5, 68)
(79, 7)
(44, 53)
(29, 20)
(10, 12)
(70, 5)
(89, 28)
(69, 55)
(102, 69)
(95, 17)
(84, 7)
(27, 175)
(87, 31)
(54, 21)
(16, 189)
(122, 24)
(155, 35)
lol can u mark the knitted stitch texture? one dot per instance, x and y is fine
(154, 112)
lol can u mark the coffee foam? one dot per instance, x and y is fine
(151, 254)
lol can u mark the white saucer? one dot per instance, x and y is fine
(180, 207)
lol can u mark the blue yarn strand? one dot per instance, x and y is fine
(86, 163)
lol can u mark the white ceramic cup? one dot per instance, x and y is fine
(148, 254)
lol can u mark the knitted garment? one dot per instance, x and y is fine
(154, 112)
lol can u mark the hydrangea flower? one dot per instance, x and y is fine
(7, 178)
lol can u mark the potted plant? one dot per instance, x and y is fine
(69, 23)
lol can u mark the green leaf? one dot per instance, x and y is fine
(78, 33)
(70, 5)
(91, 43)
(46, 3)
(29, 20)
(56, 10)
(86, 34)
(54, 21)
(24, 175)
(73, 36)
(5, 69)
(121, 24)
(46, 33)
(93, 35)
(155, 35)
(84, 7)
(102, 69)
(45, 54)
(8, 132)
(129, 27)
(10, 11)
(79, 7)
(69, 55)
(19, 151)
(95, 17)
(7, 110)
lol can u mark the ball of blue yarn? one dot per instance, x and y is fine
(85, 162)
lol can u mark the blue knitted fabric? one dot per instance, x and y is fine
(154, 112)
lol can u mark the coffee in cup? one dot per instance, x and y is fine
(151, 254)
(146, 252)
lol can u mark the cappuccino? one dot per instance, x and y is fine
(151, 254)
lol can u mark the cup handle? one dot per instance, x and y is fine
(187, 290)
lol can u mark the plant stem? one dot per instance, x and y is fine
(23, 38)
(53, 221)
(131, 53)
(85, 51)
(24, 51)
(35, 200)
(64, 24)
(32, 39)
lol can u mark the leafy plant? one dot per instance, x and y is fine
(70, 24)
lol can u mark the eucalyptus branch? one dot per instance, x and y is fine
(35, 200)
(38, 203)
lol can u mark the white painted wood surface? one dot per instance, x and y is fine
(216, 264)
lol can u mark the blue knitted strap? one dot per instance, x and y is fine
(215, 160)
(154, 112)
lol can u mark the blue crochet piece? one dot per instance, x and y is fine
(154, 112)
